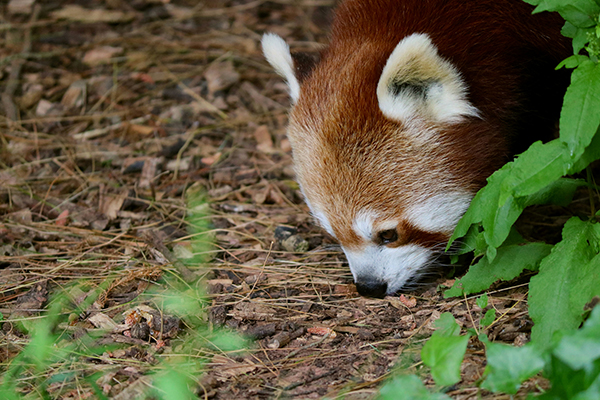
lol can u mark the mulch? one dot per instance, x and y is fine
(113, 114)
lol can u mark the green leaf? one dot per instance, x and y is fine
(591, 393)
(173, 385)
(540, 166)
(591, 154)
(446, 325)
(572, 62)
(508, 366)
(408, 387)
(444, 351)
(488, 318)
(10, 392)
(482, 301)
(579, 118)
(569, 30)
(567, 280)
(581, 348)
(533, 178)
(508, 264)
(229, 341)
(568, 383)
(577, 12)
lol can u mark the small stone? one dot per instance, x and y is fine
(295, 244)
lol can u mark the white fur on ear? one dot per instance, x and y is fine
(417, 82)
(277, 53)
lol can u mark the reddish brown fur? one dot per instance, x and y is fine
(505, 56)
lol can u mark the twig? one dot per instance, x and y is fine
(94, 133)
(231, 10)
(152, 239)
(309, 380)
(13, 79)
(201, 100)
(471, 315)
(308, 346)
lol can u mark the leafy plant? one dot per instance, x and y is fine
(445, 350)
(51, 352)
(568, 272)
(408, 387)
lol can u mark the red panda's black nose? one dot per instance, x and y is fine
(371, 288)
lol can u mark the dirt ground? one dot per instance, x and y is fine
(112, 111)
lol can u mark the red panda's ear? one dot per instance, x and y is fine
(277, 53)
(417, 83)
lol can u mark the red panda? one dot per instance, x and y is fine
(409, 109)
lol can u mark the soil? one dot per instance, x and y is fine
(113, 114)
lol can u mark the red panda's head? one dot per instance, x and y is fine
(386, 149)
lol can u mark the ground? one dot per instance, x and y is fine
(116, 116)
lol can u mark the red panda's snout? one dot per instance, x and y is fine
(406, 113)
(386, 251)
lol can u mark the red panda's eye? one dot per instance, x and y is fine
(388, 236)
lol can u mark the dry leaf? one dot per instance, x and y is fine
(220, 76)
(182, 164)
(32, 93)
(344, 289)
(285, 145)
(77, 13)
(225, 367)
(112, 204)
(20, 6)
(260, 196)
(140, 76)
(63, 218)
(435, 315)
(20, 217)
(211, 159)
(252, 311)
(75, 95)
(178, 12)
(149, 171)
(224, 282)
(409, 302)
(43, 108)
(259, 100)
(141, 129)
(321, 331)
(102, 321)
(263, 139)
(101, 55)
